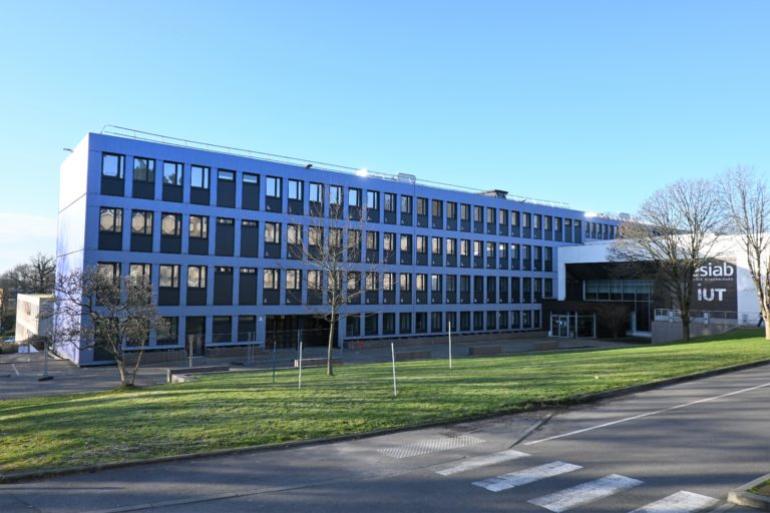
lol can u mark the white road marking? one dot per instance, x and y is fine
(429, 445)
(647, 414)
(483, 461)
(680, 502)
(13, 366)
(585, 493)
(523, 477)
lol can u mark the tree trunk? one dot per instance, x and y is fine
(686, 327)
(121, 371)
(329, 369)
(765, 318)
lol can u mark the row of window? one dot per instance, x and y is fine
(301, 241)
(374, 324)
(450, 214)
(359, 287)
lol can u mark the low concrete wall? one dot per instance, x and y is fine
(671, 331)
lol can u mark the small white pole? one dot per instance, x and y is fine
(393, 359)
(299, 382)
(450, 344)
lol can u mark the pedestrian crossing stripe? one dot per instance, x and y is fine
(527, 476)
(679, 502)
(483, 461)
(586, 492)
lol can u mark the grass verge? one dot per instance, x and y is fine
(762, 489)
(246, 409)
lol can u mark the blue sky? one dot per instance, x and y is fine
(594, 103)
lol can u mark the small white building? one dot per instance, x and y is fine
(33, 319)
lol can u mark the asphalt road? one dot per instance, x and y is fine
(672, 450)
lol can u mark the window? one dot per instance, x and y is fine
(525, 217)
(451, 210)
(422, 282)
(536, 221)
(388, 282)
(270, 279)
(477, 248)
(169, 276)
(316, 192)
(451, 283)
(170, 333)
(478, 214)
(196, 277)
(490, 216)
(406, 204)
(171, 225)
(335, 194)
(389, 242)
(199, 177)
(406, 243)
(144, 170)
(315, 236)
(388, 323)
(140, 272)
(173, 173)
(435, 208)
(372, 282)
(390, 202)
(335, 237)
(354, 197)
(226, 176)
(293, 234)
(435, 282)
(514, 219)
(405, 282)
(436, 245)
(372, 200)
(451, 247)
(465, 212)
(314, 280)
(372, 241)
(110, 270)
(272, 233)
(422, 206)
(250, 178)
(354, 239)
(422, 244)
(465, 247)
(112, 165)
(199, 227)
(502, 217)
(293, 279)
(273, 185)
(141, 222)
(110, 220)
(295, 189)
(490, 249)
(354, 281)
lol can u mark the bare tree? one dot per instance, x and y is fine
(332, 248)
(40, 273)
(747, 212)
(677, 230)
(96, 310)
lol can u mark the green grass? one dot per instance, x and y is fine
(762, 489)
(243, 409)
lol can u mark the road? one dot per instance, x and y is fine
(674, 449)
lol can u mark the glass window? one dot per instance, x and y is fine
(112, 165)
(335, 237)
(272, 233)
(196, 276)
(436, 208)
(144, 170)
(372, 282)
(490, 215)
(465, 212)
(141, 222)
(389, 281)
(354, 281)
(199, 227)
(422, 244)
(451, 246)
(477, 248)
(478, 214)
(314, 280)
(406, 204)
(169, 334)
(406, 242)
(465, 247)
(173, 173)
(372, 241)
(316, 192)
(435, 282)
(315, 236)
(110, 219)
(140, 272)
(405, 282)
(293, 279)
(389, 241)
(110, 270)
(226, 175)
(295, 189)
(372, 200)
(271, 279)
(250, 178)
(199, 177)
(354, 197)
(422, 206)
(169, 276)
(273, 185)
(335, 194)
(451, 210)
(436, 245)
(422, 282)
(390, 202)
(171, 225)
(294, 234)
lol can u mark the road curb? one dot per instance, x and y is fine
(743, 497)
(19, 477)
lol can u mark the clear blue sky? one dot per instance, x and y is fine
(595, 103)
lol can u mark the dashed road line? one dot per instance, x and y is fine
(586, 492)
(679, 502)
(483, 461)
(527, 476)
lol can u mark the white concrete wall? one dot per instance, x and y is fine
(29, 321)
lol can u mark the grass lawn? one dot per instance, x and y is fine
(245, 408)
(762, 489)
